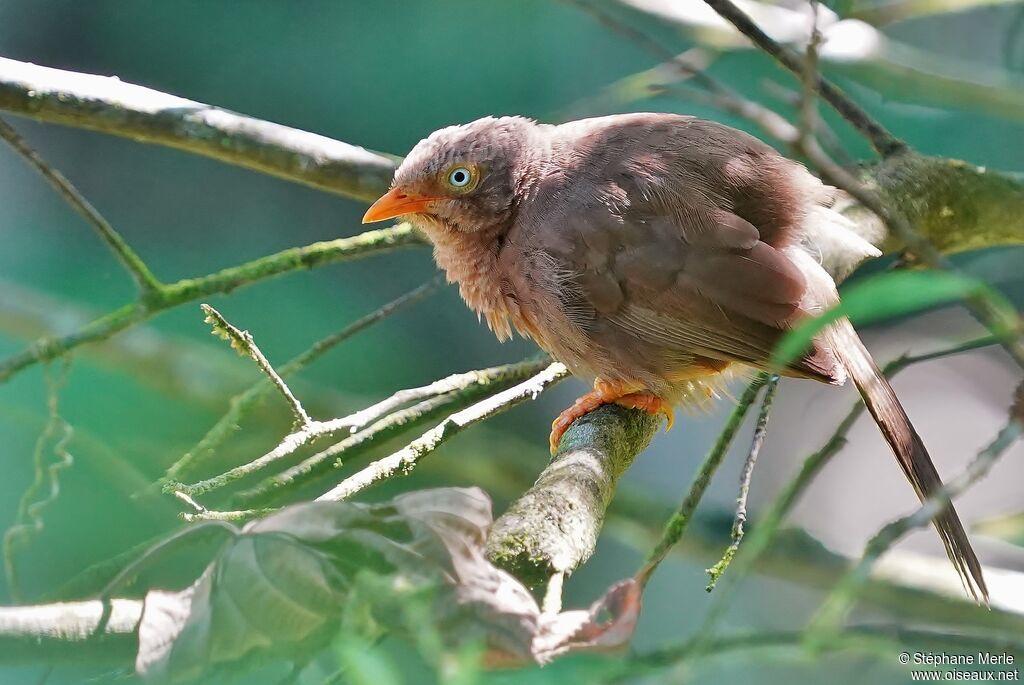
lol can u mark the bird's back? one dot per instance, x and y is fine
(664, 236)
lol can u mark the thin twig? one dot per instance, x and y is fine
(713, 92)
(191, 503)
(747, 473)
(827, 621)
(676, 525)
(243, 402)
(243, 343)
(884, 142)
(469, 388)
(406, 458)
(190, 289)
(133, 264)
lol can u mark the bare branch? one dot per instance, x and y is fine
(109, 105)
(133, 264)
(406, 458)
(244, 401)
(243, 343)
(474, 385)
(459, 391)
(884, 142)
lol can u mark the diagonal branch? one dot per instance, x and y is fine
(109, 105)
(884, 142)
(133, 264)
(746, 476)
(475, 384)
(405, 459)
(243, 343)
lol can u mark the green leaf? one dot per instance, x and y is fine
(890, 295)
(365, 665)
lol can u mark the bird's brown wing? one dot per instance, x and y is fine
(698, 281)
(674, 230)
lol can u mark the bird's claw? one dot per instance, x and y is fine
(644, 401)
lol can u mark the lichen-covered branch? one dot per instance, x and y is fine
(553, 528)
(445, 397)
(109, 105)
(406, 459)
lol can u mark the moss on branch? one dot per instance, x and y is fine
(956, 205)
(553, 527)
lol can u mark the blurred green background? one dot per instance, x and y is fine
(383, 75)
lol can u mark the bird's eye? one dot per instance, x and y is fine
(460, 177)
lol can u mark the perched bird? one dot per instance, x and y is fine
(654, 253)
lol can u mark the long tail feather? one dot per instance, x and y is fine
(910, 451)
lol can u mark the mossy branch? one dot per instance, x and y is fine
(553, 527)
(190, 289)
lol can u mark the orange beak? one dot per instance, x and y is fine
(397, 202)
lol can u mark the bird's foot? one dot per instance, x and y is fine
(605, 392)
(650, 403)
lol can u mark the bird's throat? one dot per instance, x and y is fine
(471, 260)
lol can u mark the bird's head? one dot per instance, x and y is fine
(461, 179)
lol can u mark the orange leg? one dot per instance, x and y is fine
(606, 392)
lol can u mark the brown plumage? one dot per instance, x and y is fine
(653, 253)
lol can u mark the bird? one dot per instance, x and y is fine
(657, 254)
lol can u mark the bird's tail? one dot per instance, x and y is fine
(910, 451)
